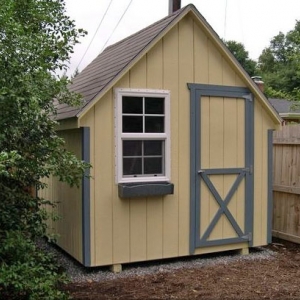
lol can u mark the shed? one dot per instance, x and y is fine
(180, 140)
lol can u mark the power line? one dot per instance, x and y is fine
(116, 25)
(88, 47)
(225, 20)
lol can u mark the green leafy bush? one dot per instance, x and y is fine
(36, 39)
(27, 272)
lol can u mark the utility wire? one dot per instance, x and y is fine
(88, 47)
(116, 25)
(225, 20)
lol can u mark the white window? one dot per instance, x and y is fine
(142, 135)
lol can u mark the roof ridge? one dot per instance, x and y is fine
(111, 47)
(145, 28)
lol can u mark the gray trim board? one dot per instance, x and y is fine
(270, 186)
(249, 157)
(86, 234)
(197, 174)
(193, 168)
(223, 171)
(218, 90)
(224, 241)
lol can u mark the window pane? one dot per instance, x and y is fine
(132, 105)
(154, 124)
(153, 165)
(132, 148)
(154, 106)
(132, 124)
(153, 147)
(132, 166)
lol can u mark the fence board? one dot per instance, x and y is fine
(286, 183)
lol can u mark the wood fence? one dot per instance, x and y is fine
(286, 183)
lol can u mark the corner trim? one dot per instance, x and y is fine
(86, 234)
(270, 186)
(249, 160)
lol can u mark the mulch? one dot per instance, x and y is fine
(277, 278)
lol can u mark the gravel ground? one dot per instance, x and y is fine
(80, 274)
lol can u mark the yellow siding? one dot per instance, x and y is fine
(186, 74)
(69, 205)
(262, 123)
(103, 230)
(128, 230)
(47, 194)
(222, 141)
(170, 65)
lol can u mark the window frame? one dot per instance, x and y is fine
(120, 136)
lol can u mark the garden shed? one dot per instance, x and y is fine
(180, 140)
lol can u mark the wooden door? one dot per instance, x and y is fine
(221, 165)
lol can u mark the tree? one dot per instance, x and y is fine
(36, 39)
(242, 56)
(279, 64)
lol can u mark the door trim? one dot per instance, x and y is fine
(196, 92)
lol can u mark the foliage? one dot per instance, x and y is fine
(36, 39)
(33, 275)
(279, 64)
(242, 56)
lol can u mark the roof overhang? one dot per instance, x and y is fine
(66, 124)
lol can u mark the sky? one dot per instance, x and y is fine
(251, 22)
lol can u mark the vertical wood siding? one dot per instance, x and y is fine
(128, 230)
(262, 122)
(222, 146)
(69, 203)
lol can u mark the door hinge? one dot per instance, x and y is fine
(247, 237)
(251, 170)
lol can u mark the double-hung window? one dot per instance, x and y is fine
(142, 135)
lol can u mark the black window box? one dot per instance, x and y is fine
(145, 189)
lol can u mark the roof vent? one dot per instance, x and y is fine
(174, 5)
(259, 82)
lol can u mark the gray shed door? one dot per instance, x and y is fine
(221, 165)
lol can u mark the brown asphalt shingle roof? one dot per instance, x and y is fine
(108, 64)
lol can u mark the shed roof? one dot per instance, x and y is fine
(108, 64)
(115, 60)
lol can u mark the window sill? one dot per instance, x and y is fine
(145, 189)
